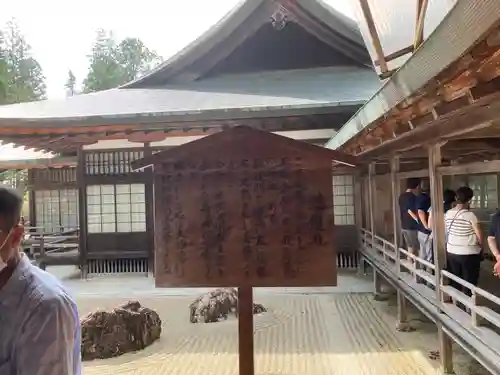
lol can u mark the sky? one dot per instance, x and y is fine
(61, 33)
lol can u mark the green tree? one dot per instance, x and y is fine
(21, 71)
(4, 80)
(14, 177)
(135, 58)
(70, 84)
(17, 179)
(104, 70)
(112, 64)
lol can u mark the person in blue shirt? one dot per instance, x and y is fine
(39, 325)
(408, 213)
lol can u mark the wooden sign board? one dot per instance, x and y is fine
(252, 211)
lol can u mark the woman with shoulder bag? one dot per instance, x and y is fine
(464, 241)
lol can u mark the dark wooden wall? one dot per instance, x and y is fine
(103, 167)
(112, 167)
(344, 202)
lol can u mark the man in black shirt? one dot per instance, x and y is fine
(409, 219)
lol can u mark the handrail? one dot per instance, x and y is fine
(411, 264)
(417, 267)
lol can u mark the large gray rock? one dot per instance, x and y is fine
(216, 305)
(125, 329)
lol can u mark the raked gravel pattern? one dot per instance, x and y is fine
(317, 334)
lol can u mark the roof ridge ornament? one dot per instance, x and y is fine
(280, 17)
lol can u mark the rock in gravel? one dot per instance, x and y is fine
(216, 305)
(127, 328)
(258, 308)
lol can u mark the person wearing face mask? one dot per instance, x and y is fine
(39, 324)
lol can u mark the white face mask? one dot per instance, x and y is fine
(3, 265)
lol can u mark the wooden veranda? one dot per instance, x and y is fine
(436, 118)
(50, 210)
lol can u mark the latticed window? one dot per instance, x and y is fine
(485, 187)
(56, 209)
(343, 200)
(111, 162)
(116, 208)
(485, 191)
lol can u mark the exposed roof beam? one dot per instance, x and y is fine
(395, 55)
(417, 77)
(325, 124)
(470, 118)
(419, 29)
(377, 45)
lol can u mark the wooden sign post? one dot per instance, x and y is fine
(245, 330)
(244, 208)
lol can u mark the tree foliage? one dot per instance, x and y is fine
(113, 63)
(14, 178)
(4, 84)
(21, 80)
(21, 76)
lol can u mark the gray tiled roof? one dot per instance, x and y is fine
(229, 94)
(343, 30)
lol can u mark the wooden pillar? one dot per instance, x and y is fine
(377, 283)
(366, 203)
(358, 202)
(82, 211)
(31, 198)
(32, 208)
(358, 217)
(436, 194)
(150, 199)
(395, 188)
(446, 351)
(245, 330)
(439, 246)
(402, 324)
(377, 280)
(371, 197)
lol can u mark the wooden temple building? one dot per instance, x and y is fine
(436, 117)
(297, 68)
